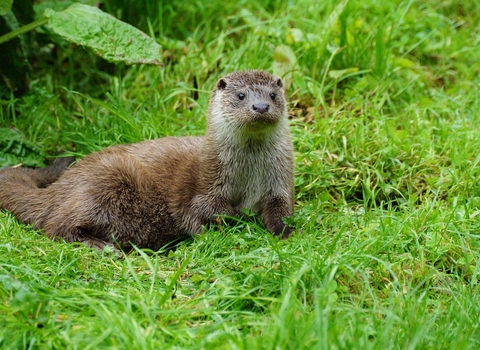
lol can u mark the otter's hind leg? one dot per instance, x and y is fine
(102, 201)
(77, 234)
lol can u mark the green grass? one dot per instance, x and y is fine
(387, 250)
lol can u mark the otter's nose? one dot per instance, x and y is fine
(261, 108)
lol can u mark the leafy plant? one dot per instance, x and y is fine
(88, 26)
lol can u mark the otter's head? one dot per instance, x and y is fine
(248, 101)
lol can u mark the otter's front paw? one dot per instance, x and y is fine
(280, 230)
(286, 232)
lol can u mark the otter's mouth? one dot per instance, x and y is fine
(263, 119)
(261, 124)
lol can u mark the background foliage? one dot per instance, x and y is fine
(384, 105)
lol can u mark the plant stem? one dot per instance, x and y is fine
(22, 30)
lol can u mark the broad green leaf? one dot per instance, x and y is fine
(331, 287)
(324, 196)
(5, 6)
(332, 298)
(404, 63)
(110, 38)
(294, 35)
(426, 102)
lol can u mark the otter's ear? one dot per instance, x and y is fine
(222, 84)
(279, 82)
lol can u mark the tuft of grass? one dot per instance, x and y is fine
(384, 105)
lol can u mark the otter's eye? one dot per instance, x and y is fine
(272, 95)
(241, 96)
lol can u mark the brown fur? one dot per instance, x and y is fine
(153, 192)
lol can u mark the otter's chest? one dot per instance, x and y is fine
(248, 181)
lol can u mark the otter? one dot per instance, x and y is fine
(151, 193)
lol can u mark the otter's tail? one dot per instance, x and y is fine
(21, 189)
